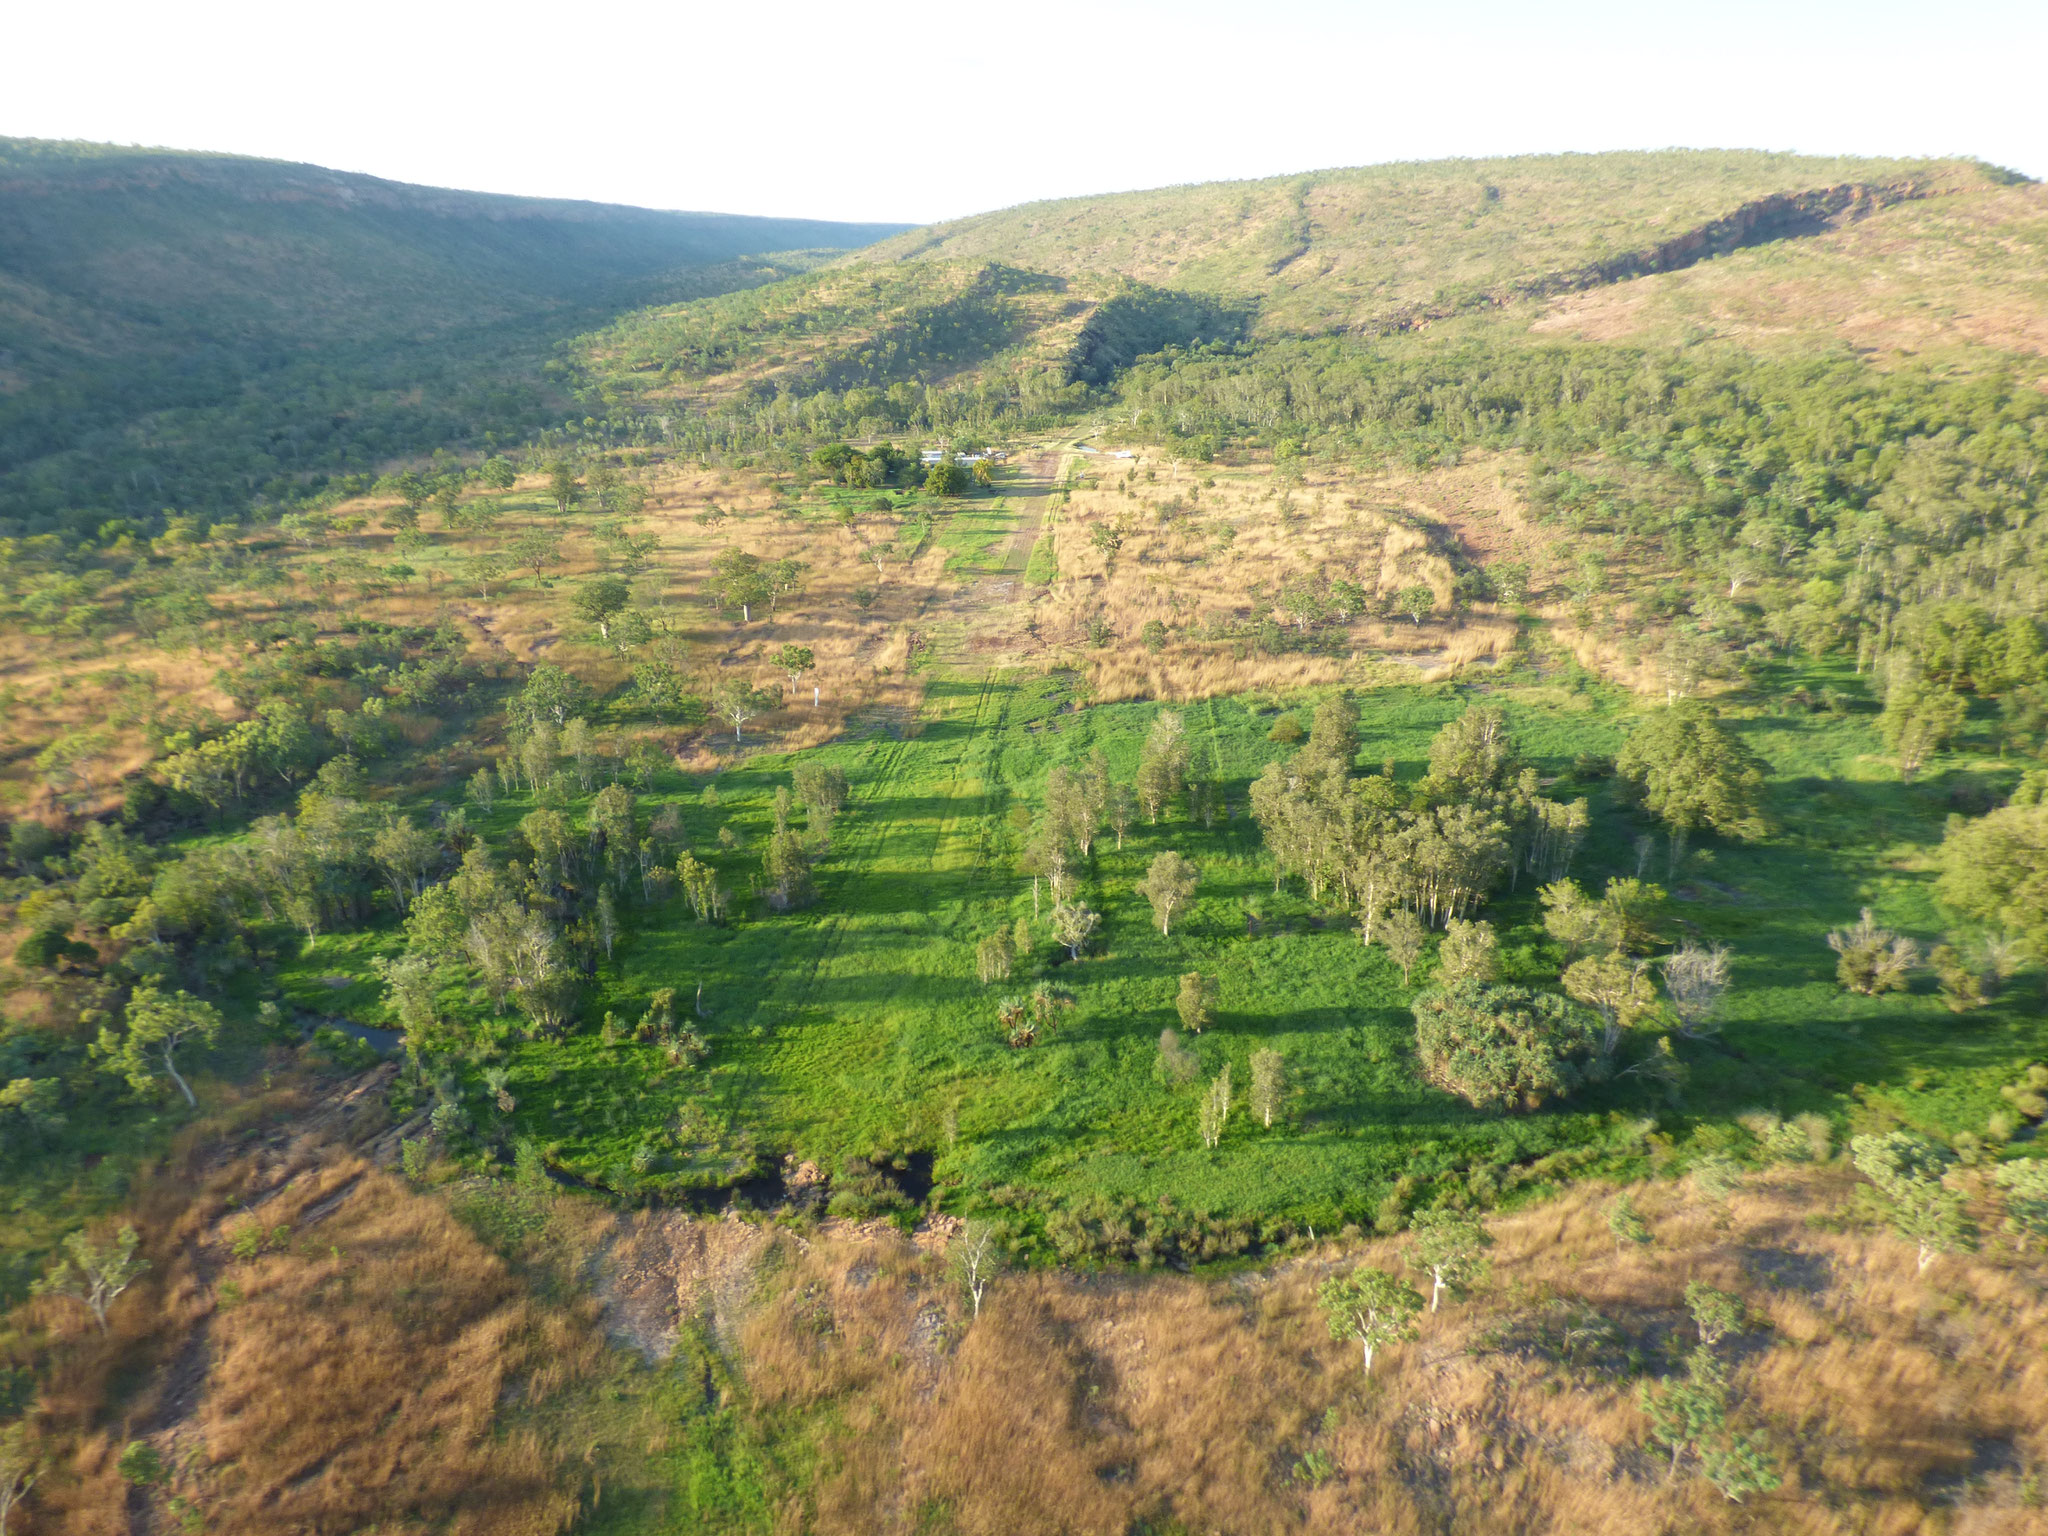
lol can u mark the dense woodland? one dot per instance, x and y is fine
(214, 334)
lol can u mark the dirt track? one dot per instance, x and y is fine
(1045, 473)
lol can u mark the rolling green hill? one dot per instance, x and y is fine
(183, 328)
(1382, 246)
(1033, 316)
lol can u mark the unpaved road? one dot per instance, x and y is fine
(1045, 474)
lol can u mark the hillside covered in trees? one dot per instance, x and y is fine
(205, 331)
(1362, 851)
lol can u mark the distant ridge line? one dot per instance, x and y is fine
(46, 171)
(1779, 216)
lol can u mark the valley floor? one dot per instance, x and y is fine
(857, 1029)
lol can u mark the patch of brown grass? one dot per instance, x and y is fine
(354, 1375)
(381, 1368)
(103, 697)
(50, 688)
(1194, 557)
(1189, 566)
(1086, 1403)
(1184, 674)
(1946, 274)
(330, 1340)
(860, 656)
(1606, 657)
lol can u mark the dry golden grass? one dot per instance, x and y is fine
(330, 1339)
(1895, 1401)
(379, 1368)
(1628, 663)
(105, 696)
(1190, 556)
(1195, 672)
(1193, 556)
(860, 657)
(1955, 272)
(353, 1376)
(116, 687)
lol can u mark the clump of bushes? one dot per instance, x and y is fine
(864, 1190)
(1025, 1020)
(1962, 988)
(2028, 1098)
(1872, 960)
(680, 1043)
(1803, 1138)
(1177, 1064)
(1101, 1228)
(995, 958)
(1503, 1047)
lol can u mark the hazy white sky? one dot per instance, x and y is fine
(910, 110)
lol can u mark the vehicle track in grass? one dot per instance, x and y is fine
(789, 996)
(1046, 469)
(956, 797)
(892, 846)
(993, 787)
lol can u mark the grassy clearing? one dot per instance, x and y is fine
(1207, 553)
(858, 1027)
(976, 537)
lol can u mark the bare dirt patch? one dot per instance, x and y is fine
(656, 1269)
(1203, 560)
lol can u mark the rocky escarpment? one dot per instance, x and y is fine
(1781, 216)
